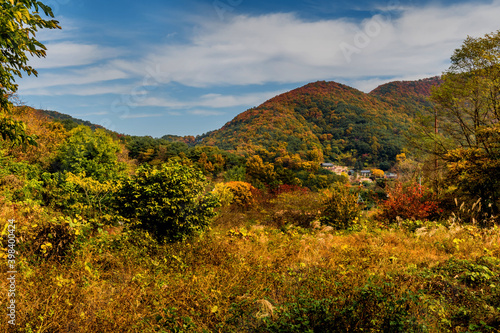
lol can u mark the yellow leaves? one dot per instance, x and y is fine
(89, 184)
(62, 282)
(457, 242)
(4, 230)
(11, 26)
(95, 191)
(224, 194)
(309, 166)
(242, 192)
(241, 233)
(257, 169)
(89, 269)
(45, 247)
(3, 253)
(377, 173)
(20, 13)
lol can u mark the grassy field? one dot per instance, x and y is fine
(253, 272)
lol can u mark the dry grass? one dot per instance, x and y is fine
(236, 277)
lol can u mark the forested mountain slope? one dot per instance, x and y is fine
(347, 125)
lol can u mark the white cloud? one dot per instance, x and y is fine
(91, 89)
(274, 48)
(68, 54)
(141, 115)
(68, 29)
(206, 101)
(224, 101)
(284, 48)
(206, 113)
(76, 77)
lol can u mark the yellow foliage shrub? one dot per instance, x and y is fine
(242, 193)
(224, 193)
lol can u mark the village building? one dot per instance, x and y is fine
(337, 169)
(365, 173)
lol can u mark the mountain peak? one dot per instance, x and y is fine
(405, 89)
(318, 88)
(347, 125)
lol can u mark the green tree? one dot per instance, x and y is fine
(468, 114)
(261, 173)
(94, 154)
(168, 201)
(341, 209)
(236, 173)
(19, 23)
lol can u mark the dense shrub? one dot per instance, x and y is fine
(242, 193)
(168, 201)
(224, 194)
(39, 235)
(341, 209)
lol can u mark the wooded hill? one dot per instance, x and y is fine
(346, 125)
(321, 121)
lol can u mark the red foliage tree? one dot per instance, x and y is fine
(286, 188)
(412, 202)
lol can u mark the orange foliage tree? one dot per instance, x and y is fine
(242, 193)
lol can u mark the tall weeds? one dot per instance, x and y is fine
(252, 276)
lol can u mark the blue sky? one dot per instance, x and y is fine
(187, 67)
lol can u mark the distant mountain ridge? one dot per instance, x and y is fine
(345, 124)
(409, 95)
(405, 89)
(322, 120)
(68, 120)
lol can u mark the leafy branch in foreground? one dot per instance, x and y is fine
(19, 23)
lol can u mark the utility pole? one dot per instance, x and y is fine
(436, 166)
(435, 138)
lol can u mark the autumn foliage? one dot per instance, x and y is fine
(242, 193)
(410, 202)
(341, 209)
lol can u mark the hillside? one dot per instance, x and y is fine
(69, 121)
(409, 96)
(348, 125)
(320, 121)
